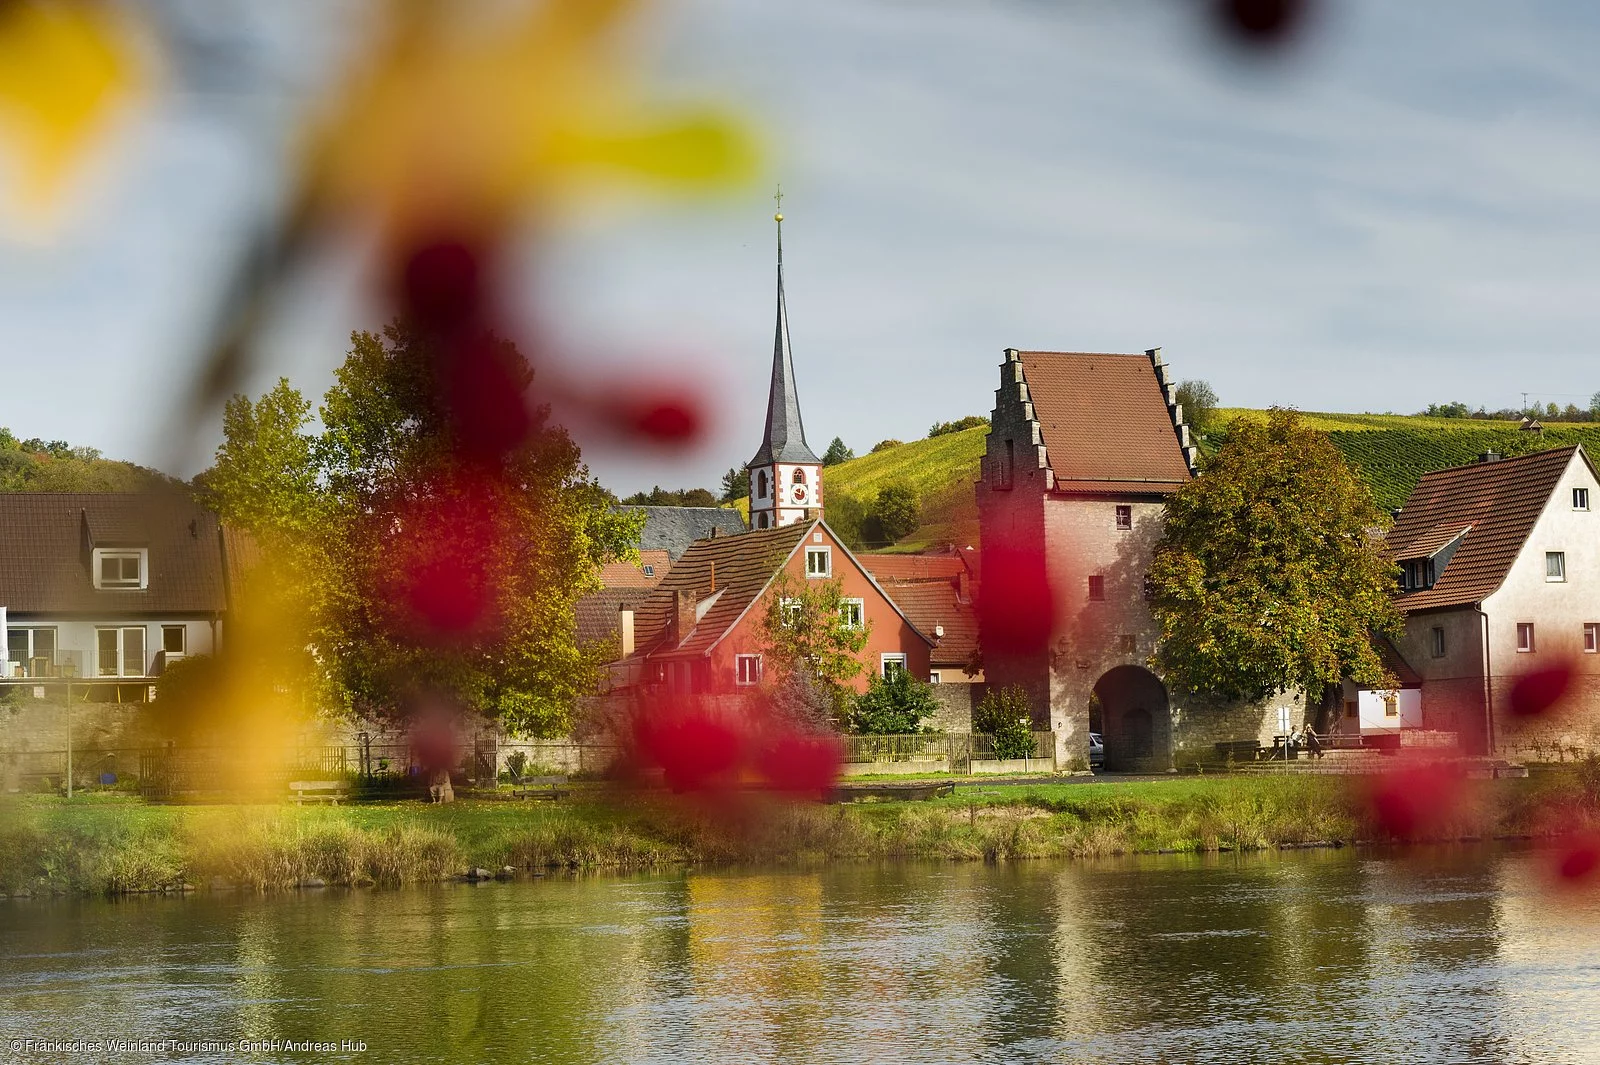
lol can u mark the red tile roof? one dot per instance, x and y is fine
(1104, 418)
(744, 564)
(632, 575)
(893, 569)
(1500, 500)
(599, 613)
(931, 605)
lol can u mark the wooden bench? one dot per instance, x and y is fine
(329, 791)
(540, 788)
(1238, 750)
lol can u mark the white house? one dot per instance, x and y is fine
(108, 588)
(1500, 564)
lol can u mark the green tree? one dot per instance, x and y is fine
(809, 631)
(894, 514)
(1269, 575)
(971, 421)
(264, 477)
(894, 704)
(672, 497)
(837, 452)
(1199, 402)
(885, 445)
(1006, 715)
(1594, 404)
(735, 485)
(530, 539)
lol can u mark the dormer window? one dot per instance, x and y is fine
(1416, 574)
(120, 569)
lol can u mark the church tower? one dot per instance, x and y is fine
(785, 476)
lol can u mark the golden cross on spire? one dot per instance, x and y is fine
(779, 199)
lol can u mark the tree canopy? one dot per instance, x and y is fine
(423, 570)
(1199, 402)
(837, 452)
(810, 635)
(971, 421)
(894, 704)
(735, 484)
(1270, 574)
(894, 513)
(670, 497)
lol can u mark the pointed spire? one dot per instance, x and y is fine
(785, 436)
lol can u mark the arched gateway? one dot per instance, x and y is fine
(1134, 721)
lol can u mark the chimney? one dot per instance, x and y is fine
(1489, 456)
(626, 612)
(683, 604)
(713, 575)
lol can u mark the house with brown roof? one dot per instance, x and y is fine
(938, 593)
(701, 630)
(109, 588)
(1083, 451)
(1500, 576)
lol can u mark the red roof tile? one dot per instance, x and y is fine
(931, 605)
(894, 569)
(599, 613)
(1500, 500)
(1104, 418)
(633, 575)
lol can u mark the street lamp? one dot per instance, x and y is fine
(67, 671)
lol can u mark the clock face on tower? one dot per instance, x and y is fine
(799, 492)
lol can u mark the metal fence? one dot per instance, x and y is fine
(947, 751)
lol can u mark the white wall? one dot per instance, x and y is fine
(1374, 715)
(79, 637)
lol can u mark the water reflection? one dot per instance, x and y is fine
(1447, 954)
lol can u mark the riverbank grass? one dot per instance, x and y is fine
(114, 843)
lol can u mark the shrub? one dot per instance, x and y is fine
(1004, 713)
(893, 705)
(893, 515)
(971, 421)
(885, 445)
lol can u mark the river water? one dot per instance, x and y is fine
(1431, 955)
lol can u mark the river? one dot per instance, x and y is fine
(1458, 954)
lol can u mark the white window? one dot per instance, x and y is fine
(119, 569)
(1555, 565)
(120, 652)
(1417, 573)
(789, 610)
(1580, 499)
(1124, 516)
(888, 663)
(819, 562)
(851, 610)
(1591, 637)
(1525, 636)
(30, 652)
(933, 677)
(1391, 704)
(174, 639)
(746, 670)
(648, 570)
(1438, 642)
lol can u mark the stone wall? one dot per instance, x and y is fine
(956, 703)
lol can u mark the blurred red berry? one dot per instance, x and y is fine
(1016, 609)
(440, 285)
(1578, 858)
(802, 766)
(1259, 22)
(695, 750)
(1412, 800)
(485, 399)
(448, 594)
(1538, 692)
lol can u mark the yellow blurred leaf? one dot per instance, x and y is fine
(700, 150)
(62, 67)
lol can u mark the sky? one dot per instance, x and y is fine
(1401, 208)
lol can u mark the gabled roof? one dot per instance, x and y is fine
(1500, 500)
(1428, 542)
(931, 605)
(1396, 663)
(633, 575)
(895, 569)
(744, 566)
(673, 529)
(1104, 418)
(46, 541)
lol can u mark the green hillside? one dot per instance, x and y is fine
(1389, 451)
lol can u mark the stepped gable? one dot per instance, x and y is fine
(743, 567)
(1499, 500)
(673, 529)
(1108, 419)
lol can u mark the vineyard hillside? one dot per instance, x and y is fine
(1390, 452)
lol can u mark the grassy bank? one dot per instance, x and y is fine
(112, 844)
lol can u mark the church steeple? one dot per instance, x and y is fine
(785, 474)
